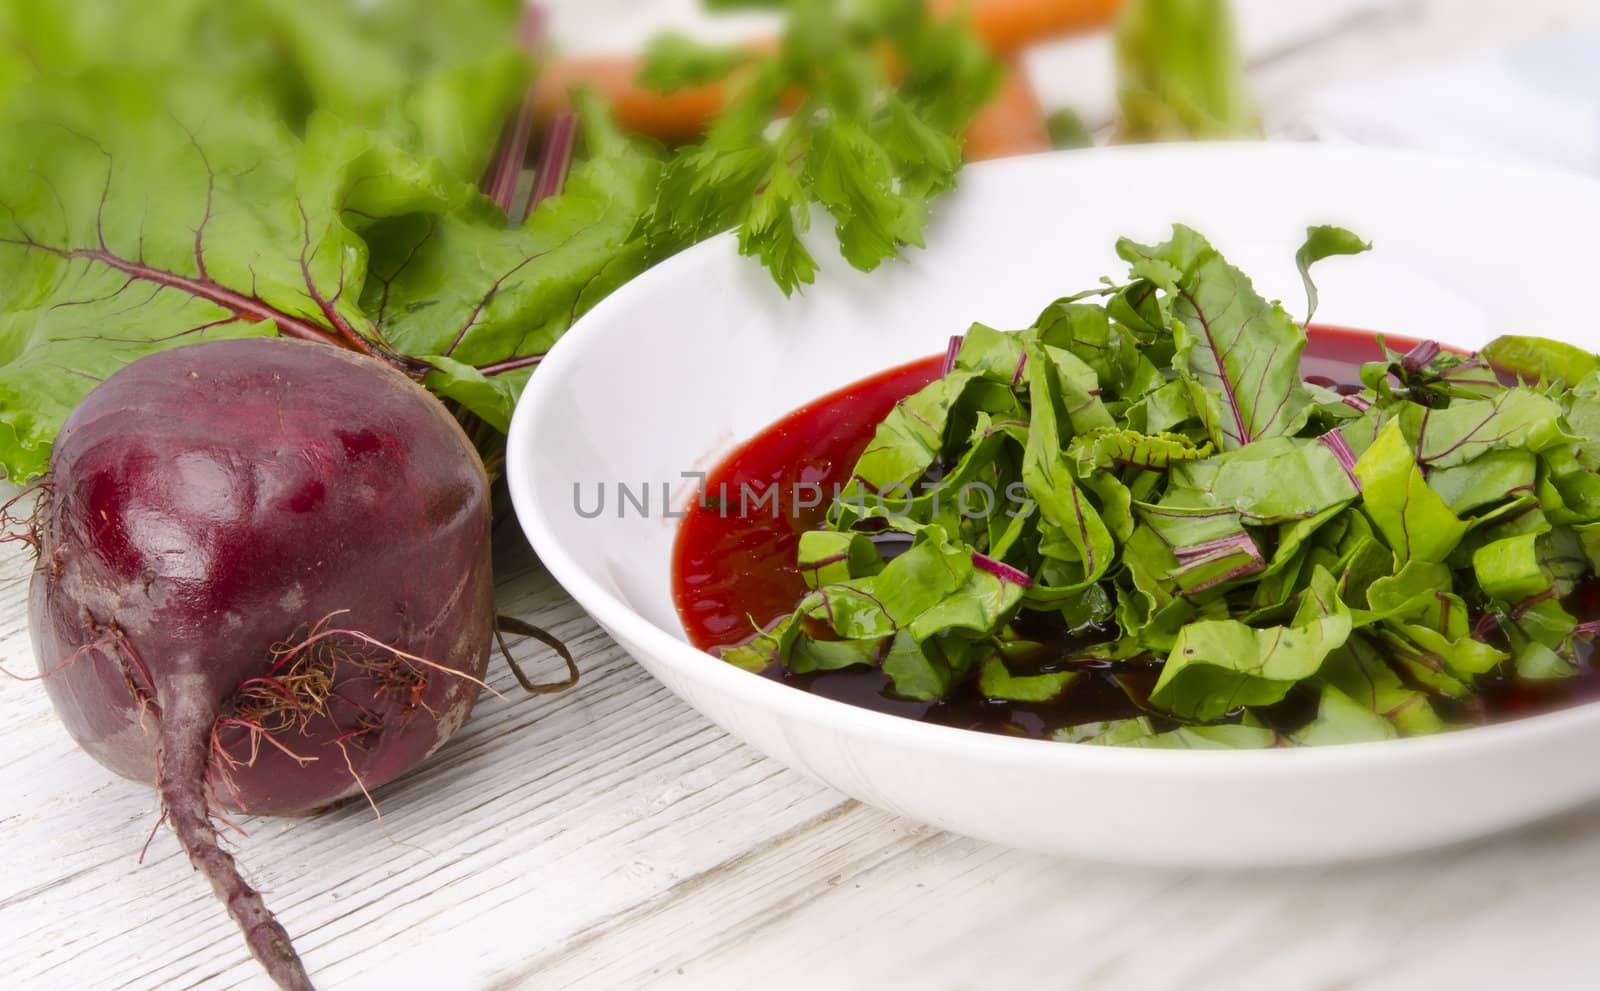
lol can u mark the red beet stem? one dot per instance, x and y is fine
(186, 722)
(555, 161)
(505, 169)
(1418, 357)
(1001, 570)
(501, 183)
(950, 353)
(1335, 442)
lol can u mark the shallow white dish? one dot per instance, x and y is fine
(702, 352)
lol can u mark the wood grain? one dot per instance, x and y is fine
(611, 838)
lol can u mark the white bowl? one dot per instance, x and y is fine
(702, 352)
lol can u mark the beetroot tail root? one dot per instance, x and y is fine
(185, 758)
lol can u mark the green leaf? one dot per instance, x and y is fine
(1567, 490)
(1358, 672)
(916, 673)
(1111, 447)
(925, 157)
(763, 650)
(995, 681)
(1341, 719)
(1274, 480)
(1076, 389)
(134, 222)
(674, 61)
(927, 601)
(1162, 409)
(1067, 130)
(1324, 242)
(1488, 480)
(1412, 593)
(1121, 362)
(1355, 559)
(772, 231)
(1437, 661)
(1140, 733)
(1414, 520)
(1239, 353)
(1536, 662)
(1511, 570)
(458, 285)
(852, 176)
(1589, 539)
(827, 557)
(872, 149)
(1539, 359)
(1515, 419)
(907, 442)
(1077, 533)
(437, 79)
(272, 167)
(808, 655)
(1218, 665)
(1208, 544)
(492, 399)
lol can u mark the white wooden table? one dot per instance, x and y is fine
(610, 837)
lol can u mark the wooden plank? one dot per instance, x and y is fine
(860, 899)
(541, 819)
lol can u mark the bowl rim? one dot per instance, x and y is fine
(752, 690)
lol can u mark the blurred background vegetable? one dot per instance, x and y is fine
(679, 107)
(1179, 74)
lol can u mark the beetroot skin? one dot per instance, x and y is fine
(263, 584)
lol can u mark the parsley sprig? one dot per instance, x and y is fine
(859, 108)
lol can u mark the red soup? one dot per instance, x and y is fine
(734, 564)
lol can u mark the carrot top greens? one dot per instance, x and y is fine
(881, 91)
(1144, 470)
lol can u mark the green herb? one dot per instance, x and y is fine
(1160, 486)
(884, 90)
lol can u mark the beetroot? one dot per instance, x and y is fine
(263, 584)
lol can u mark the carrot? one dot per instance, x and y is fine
(676, 116)
(1006, 26)
(1013, 123)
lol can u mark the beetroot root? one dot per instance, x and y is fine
(263, 584)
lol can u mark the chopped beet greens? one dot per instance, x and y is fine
(1142, 487)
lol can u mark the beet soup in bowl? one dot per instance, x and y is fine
(658, 385)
